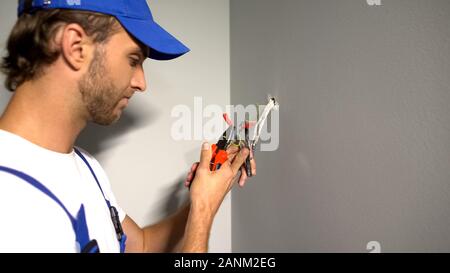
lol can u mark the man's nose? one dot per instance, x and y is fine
(138, 81)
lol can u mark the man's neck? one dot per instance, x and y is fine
(44, 116)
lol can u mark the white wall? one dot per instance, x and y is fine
(8, 17)
(145, 165)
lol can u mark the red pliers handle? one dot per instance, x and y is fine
(219, 150)
(219, 156)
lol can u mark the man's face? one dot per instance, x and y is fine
(114, 74)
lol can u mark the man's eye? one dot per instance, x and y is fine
(133, 62)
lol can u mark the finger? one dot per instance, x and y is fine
(205, 156)
(243, 177)
(191, 173)
(239, 160)
(194, 166)
(252, 163)
(232, 149)
(189, 177)
(232, 152)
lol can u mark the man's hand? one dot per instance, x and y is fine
(207, 191)
(209, 188)
(232, 151)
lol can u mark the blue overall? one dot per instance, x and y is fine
(79, 224)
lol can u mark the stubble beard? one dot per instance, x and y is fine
(98, 92)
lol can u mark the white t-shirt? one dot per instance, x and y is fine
(30, 221)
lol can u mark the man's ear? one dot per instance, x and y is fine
(75, 46)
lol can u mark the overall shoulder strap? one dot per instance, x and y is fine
(121, 237)
(39, 186)
(80, 154)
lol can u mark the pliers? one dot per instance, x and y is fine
(219, 150)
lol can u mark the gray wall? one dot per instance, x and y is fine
(364, 124)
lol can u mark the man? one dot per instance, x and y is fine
(69, 63)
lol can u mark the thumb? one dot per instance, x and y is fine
(205, 156)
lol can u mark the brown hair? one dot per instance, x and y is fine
(29, 46)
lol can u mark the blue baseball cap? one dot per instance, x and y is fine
(134, 15)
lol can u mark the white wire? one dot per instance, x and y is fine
(262, 119)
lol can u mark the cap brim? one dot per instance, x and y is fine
(162, 45)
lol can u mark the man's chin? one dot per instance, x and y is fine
(106, 121)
